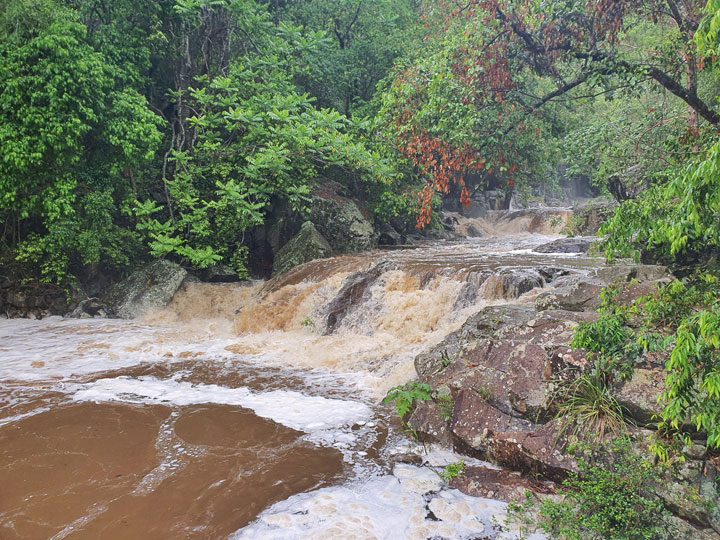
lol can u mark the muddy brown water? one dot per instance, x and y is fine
(229, 415)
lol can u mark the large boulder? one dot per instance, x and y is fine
(146, 289)
(342, 223)
(307, 245)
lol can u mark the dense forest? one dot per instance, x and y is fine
(172, 129)
(169, 129)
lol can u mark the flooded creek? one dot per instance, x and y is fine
(245, 410)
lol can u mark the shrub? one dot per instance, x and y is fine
(606, 500)
(585, 407)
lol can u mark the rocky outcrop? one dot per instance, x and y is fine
(501, 369)
(307, 245)
(499, 484)
(35, 301)
(582, 293)
(146, 289)
(341, 223)
(586, 220)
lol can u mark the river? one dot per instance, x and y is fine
(251, 410)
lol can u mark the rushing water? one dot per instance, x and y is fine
(239, 412)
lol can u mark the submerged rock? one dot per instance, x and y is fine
(149, 288)
(354, 290)
(307, 245)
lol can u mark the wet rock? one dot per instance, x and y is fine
(448, 222)
(639, 396)
(341, 223)
(587, 220)
(499, 484)
(583, 295)
(220, 273)
(307, 245)
(389, 236)
(354, 291)
(91, 307)
(430, 421)
(511, 284)
(690, 490)
(565, 245)
(435, 234)
(481, 325)
(619, 273)
(473, 232)
(508, 441)
(675, 528)
(149, 288)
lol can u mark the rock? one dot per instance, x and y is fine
(479, 326)
(354, 291)
(510, 284)
(220, 273)
(88, 308)
(341, 223)
(587, 220)
(435, 234)
(508, 441)
(149, 288)
(430, 422)
(305, 246)
(690, 490)
(619, 273)
(474, 232)
(565, 245)
(639, 395)
(448, 222)
(499, 484)
(583, 295)
(389, 236)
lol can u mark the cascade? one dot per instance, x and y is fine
(253, 410)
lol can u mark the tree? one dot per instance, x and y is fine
(362, 40)
(496, 71)
(72, 140)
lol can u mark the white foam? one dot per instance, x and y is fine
(292, 409)
(409, 505)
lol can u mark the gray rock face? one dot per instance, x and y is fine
(583, 295)
(389, 236)
(149, 288)
(639, 395)
(565, 245)
(628, 272)
(307, 245)
(342, 224)
(481, 325)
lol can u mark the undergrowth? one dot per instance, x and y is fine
(603, 500)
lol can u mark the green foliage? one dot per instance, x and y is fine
(71, 136)
(404, 396)
(680, 316)
(361, 40)
(609, 339)
(585, 407)
(451, 470)
(606, 500)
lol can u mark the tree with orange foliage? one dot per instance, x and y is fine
(484, 93)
